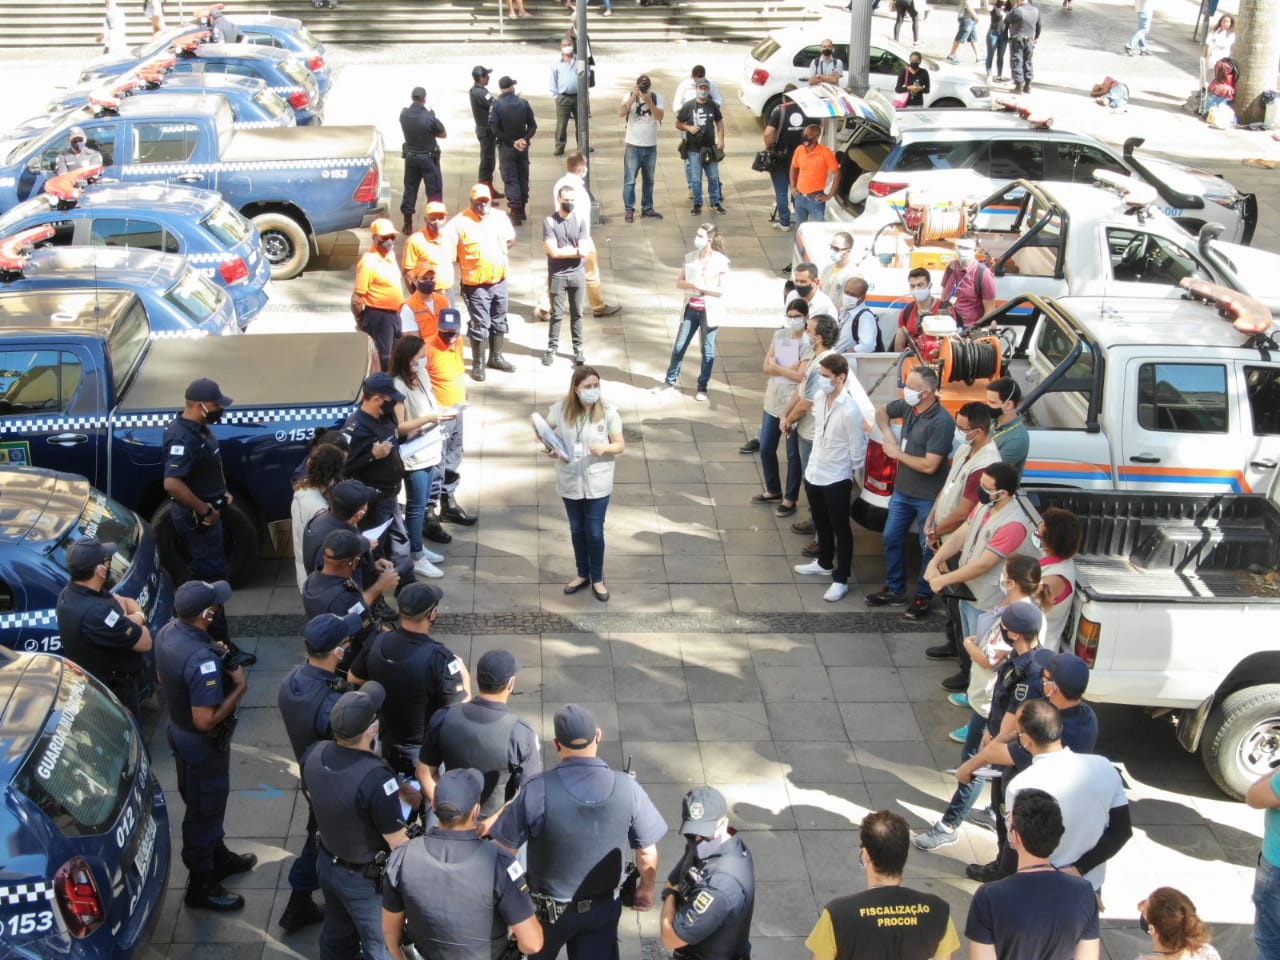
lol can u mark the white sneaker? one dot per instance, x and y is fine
(784, 227)
(701, 396)
(813, 567)
(663, 389)
(425, 568)
(432, 555)
(835, 592)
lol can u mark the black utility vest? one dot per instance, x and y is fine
(331, 776)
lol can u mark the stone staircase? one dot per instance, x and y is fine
(35, 24)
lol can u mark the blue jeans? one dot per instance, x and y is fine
(586, 530)
(781, 177)
(969, 614)
(996, 44)
(770, 435)
(694, 319)
(902, 510)
(1139, 38)
(417, 490)
(696, 168)
(808, 209)
(642, 160)
(589, 936)
(1266, 898)
(352, 915)
(966, 794)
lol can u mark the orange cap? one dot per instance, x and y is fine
(481, 192)
(382, 227)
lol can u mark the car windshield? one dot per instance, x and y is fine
(38, 143)
(227, 225)
(125, 343)
(159, 42)
(195, 296)
(83, 765)
(296, 70)
(270, 102)
(765, 49)
(306, 38)
(109, 522)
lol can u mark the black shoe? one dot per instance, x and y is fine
(983, 817)
(810, 549)
(984, 872)
(549, 357)
(301, 912)
(718, 207)
(885, 597)
(431, 528)
(942, 651)
(697, 208)
(919, 609)
(955, 683)
(751, 446)
(454, 513)
(226, 863)
(206, 893)
(559, 151)
(381, 610)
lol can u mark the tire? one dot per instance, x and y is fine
(241, 540)
(1241, 740)
(947, 103)
(769, 106)
(285, 244)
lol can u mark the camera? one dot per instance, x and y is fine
(690, 881)
(232, 660)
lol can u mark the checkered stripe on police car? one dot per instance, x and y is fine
(161, 419)
(323, 164)
(26, 425)
(28, 618)
(255, 124)
(216, 256)
(26, 893)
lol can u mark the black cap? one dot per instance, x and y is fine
(354, 711)
(575, 727)
(496, 668)
(701, 810)
(478, 71)
(417, 600)
(382, 383)
(449, 319)
(351, 495)
(344, 544)
(458, 792)
(419, 93)
(84, 555)
(206, 391)
(194, 595)
(326, 631)
(506, 83)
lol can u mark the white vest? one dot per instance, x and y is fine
(584, 477)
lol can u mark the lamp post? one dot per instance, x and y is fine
(859, 46)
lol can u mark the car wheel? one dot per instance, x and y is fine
(769, 106)
(1241, 740)
(946, 103)
(241, 542)
(284, 244)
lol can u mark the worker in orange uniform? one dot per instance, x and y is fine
(426, 301)
(815, 176)
(447, 370)
(484, 235)
(378, 296)
(431, 244)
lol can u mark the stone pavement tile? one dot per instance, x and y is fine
(285, 599)
(675, 517)
(261, 726)
(901, 761)
(776, 854)
(264, 686)
(794, 683)
(249, 950)
(782, 650)
(676, 471)
(733, 494)
(719, 651)
(274, 653)
(784, 908)
(777, 948)
(830, 806)
(628, 597)
(739, 517)
(831, 860)
(661, 424)
(253, 600)
(650, 683)
(741, 722)
(665, 761)
(572, 684)
(633, 648)
(575, 650)
(527, 650)
(698, 543)
(869, 722)
(460, 597)
(635, 494)
(923, 680)
(761, 543)
(702, 598)
(243, 927)
(756, 806)
(794, 720)
(937, 717)
(755, 569)
(735, 683)
(507, 569)
(697, 569)
(742, 762)
(816, 761)
(162, 932)
(668, 721)
(866, 684)
(509, 598)
(726, 451)
(625, 568)
(743, 470)
(852, 650)
(257, 811)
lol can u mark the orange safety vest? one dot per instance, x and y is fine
(426, 311)
(482, 253)
(378, 281)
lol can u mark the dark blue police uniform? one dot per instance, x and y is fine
(192, 455)
(319, 527)
(384, 476)
(99, 637)
(511, 119)
(579, 818)
(327, 593)
(715, 920)
(484, 735)
(420, 127)
(1017, 681)
(481, 104)
(486, 889)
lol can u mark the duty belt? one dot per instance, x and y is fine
(347, 864)
(550, 910)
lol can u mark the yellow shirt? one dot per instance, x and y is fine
(378, 281)
(822, 940)
(441, 253)
(447, 369)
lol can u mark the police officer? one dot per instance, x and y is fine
(194, 481)
(420, 674)
(80, 156)
(356, 800)
(486, 888)
(421, 129)
(578, 819)
(485, 735)
(374, 460)
(709, 897)
(104, 633)
(481, 104)
(222, 29)
(333, 588)
(513, 126)
(306, 697)
(202, 693)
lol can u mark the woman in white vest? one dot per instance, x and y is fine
(590, 432)
(1060, 535)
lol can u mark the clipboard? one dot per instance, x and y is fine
(549, 436)
(420, 441)
(374, 534)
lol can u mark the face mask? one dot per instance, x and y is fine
(427, 286)
(211, 416)
(589, 395)
(826, 385)
(566, 51)
(699, 242)
(644, 87)
(810, 141)
(912, 397)
(385, 243)
(108, 581)
(849, 302)
(1004, 584)
(1145, 924)
(448, 336)
(961, 436)
(795, 323)
(836, 255)
(388, 406)
(481, 207)
(77, 146)
(419, 365)
(996, 412)
(915, 66)
(804, 289)
(708, 846)
(826, 54)
(566, 206)
(985, 496)
(704, 94)
(434, 225)
(965, 259)
(920, 293)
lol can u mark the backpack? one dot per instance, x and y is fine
(853, 323)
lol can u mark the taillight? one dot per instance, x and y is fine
(234, 271)
(367, 192)
(78, 898)
(315, 63)
(1087, 634)
(299, 100)
(759, 76)
(882, 188)
(879, 471)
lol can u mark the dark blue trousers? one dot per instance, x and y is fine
(204, 781)
(589, 936)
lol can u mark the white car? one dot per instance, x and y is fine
(784, 56)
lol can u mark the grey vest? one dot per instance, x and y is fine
(332, 792)
(986, 586)
(482, 746)
(578, 855)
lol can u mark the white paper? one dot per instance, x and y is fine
(549, 436)
(375, 534)
(786, 354)
(421, 441)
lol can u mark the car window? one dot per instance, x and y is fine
(261, 40)
(195, 297)
(188, 66)
(134, 234)
(164, 141)
(125, 343)
(225, 223)
(8, 597)
(100, 137)
(806, 55)
(297, 71)
(765, 49)
(270, 103)
(933, 155)
(1183, 397)
(1054, 343)
(1141, 257)
(886, 62)
(1077, 161)
(109, 522)
(1012, 160)
(1263, 386)
(38, 381)
(242, 70)
(308, 40)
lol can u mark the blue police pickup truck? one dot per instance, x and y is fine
(91, 394)
(294, 184)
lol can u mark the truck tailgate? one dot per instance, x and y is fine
(1113, 578)
(302, 143)
(271, 370)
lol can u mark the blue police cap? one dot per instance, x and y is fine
(450, 319)
(1070, 673)
(354, 712)
(575, 727)
(1022, 618)
(381, 384)
(194, 595)
(458, 792)
(344, 544)
(351, 495)
(205, 390)
(84, 555)
(418, 599)
(326, 631)
(701, 810)
(495, 668)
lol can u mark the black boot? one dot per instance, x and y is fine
(206, 893)
(225, 863)
(431, 528)
(301, 912)
(454, 513)
(496, 360)
(479, 348)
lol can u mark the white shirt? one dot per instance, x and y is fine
(821, 303)
(863, 338)
(688, 90)
(642, 124)
(839, 440)
(581, 200)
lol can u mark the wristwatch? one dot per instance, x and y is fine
(669, 892)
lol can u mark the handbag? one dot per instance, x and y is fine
(765, 161)
(901, 100)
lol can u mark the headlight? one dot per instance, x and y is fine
(980, 93)
(1230, 201)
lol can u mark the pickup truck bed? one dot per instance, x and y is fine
(303, 144)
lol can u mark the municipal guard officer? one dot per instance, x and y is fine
(104, 633)
(80, 156)
(485, 735)
(513, 126)
(221, 28)
(421, 675)
(194, 481)
(374, 459)
(306, 697)
(356, 800)
(421, 129)
(333, 588)
(486, 888)
(348, 504)
(481, 104)
(579, 818)
(710, 895)
(202, 693)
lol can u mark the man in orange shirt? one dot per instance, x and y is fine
(815, 176)
(378, 296)
(447, 370)
(432, 244)
(483, 236)
(426, 302)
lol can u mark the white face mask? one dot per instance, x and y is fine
(961, 437)
(836, 255)
(912, 397)
(699, 242)
(965, 257)
(567, 51)
(795, 323)
(589, 395)
(850, 302)
(419, 365)
(826, 385)
(920, 293)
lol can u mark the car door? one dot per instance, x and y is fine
(1181, 427)
(886, 67)
(42, 164)
(164, 149)
(803, 61)
(1260, 383)
(1142, 263)
(1076, 162)
(133, 233)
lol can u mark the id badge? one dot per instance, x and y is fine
(578, 451)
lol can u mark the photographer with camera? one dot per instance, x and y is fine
(203, 684)
(710, 895)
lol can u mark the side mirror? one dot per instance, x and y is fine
(34, 165)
